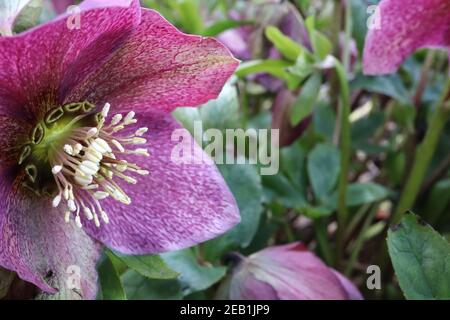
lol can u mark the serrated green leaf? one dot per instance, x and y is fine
(421, 259)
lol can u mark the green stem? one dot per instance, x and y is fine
(348, 35)
(345, 148)
(360, 241)
(423, 156)
(323, 241)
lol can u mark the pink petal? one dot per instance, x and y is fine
(175, 206)
(404, 28)
(33, 64)
(297, 275)
(13, 132)
(36, 243)
(351, 290)
(158, 68)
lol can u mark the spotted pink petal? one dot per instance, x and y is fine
(34, 64)
(175, 206)
(157, 68)
(37, 244)
(405, 27)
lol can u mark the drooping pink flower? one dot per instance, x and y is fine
(402, 27)
(85, 134)
(288, 272)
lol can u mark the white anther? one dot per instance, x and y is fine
(57, 169)
(122, 167)
(142, 152)
(100, 195)
(116, 119)
(68, 149)
(82, 179)
(88, 213)
(66, 193)
(91, 187)
(76, 150)
(78, 222)
(140, 132)
(93, 155)
(101, 145)
(71, 205)
(118, 145)
(139, 141)
(143, 172)
(129, 117)
(105, 110)
(130, 180)
(118, 128)
(88, 168)
(67, 216)
(96, 221)
(91, 132)
(56, 201)
(105, 217)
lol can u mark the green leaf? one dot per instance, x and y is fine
(278, 188)
(391, 86)
(189, 14)
(223, 25)
(306, 100)
(138, 287)
(359, 194)
(323, 169)
(276, 68)
(245, 184)
(150, 266)
(287, 47)
(193, 276)
(320, 43)
(110, 283)
(421, 259)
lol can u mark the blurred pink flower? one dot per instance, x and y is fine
(405, 26)
(288, 272)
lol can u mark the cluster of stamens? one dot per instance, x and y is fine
(87, 162)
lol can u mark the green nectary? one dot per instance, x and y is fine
(47, 137)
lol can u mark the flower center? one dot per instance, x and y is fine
(75, 157)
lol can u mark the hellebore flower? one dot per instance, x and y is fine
(85, 134)
(287, 272)
(404, 27)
